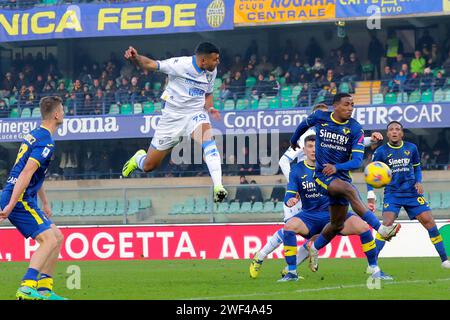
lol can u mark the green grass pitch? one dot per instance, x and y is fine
(415, 278)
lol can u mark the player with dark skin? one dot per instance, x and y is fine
(343, 109)
(395, 136)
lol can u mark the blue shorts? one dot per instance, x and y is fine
(27, 217)
(324, 182)
(316, 221)
(414, 205)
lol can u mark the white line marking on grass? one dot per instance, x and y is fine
(313, 289)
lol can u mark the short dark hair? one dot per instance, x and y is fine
(206, 48)
(337, 97)
(394, 122)
(48, 105)
(311, 137)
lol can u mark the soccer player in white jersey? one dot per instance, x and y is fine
(286, 159)
(188, 100)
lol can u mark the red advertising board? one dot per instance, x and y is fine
(156, 242)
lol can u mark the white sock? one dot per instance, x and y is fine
(140, 159)
(274, 242)
(212, 160)
(302, 254)
(375, 269)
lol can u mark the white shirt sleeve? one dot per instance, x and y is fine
(286, 159)
(170, 66)
(368, 142)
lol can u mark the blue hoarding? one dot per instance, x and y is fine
(104, 20)
(365, 8)
(431, 115)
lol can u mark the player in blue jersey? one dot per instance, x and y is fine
(315, 216)
(405, 189)
(19, 203)
(339, 149)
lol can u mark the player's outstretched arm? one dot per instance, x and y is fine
(22, 183)
(302, 128)
(209, 106)
(141, 61)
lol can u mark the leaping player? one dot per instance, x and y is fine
(285, 164)
(188, 100)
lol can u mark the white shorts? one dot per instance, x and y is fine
(174, 125)
(292, 211)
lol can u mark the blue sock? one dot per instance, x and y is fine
(371, 220)
(436, 239)
(380, 242)
(321, 242)
(290, 249)
(369, 247)
(30, 278)
(31, 274)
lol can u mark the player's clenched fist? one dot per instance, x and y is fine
(131, 53)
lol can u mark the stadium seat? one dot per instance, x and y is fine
(319, 99)
(250, 82)
(242, 104)
(188, 208)
(274, 103)
(377, 98)
(286, 92)
(217, 83)
(246, 207)
(200, 208)
(114, 109)
(229, 105)
(36, 113)
(157, 86)
(14, 113)
(286, 103)
(26, 113)
(126, 109)
(177, 208)
(111, 207)
(446, 200)
(402, 97)
(158, 106)
(439, 95)
(148, 107)
(223, 207)
(133, 206)
(254, 104)
(279, 207)
(89, 207)
(145, 203)
(414, 97)
(78, 207)
(56, 206)
(100, 207)
(344, 87)
(257, 207)
(200, 202)
(120, 211)
(296, 90)
(263, 104)
(137, 108)
(427, 97)
(234, 207)
(447, 96)
(67, 207)
(390, 98)
(435, 200)
(269, 206)
(282, 81)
